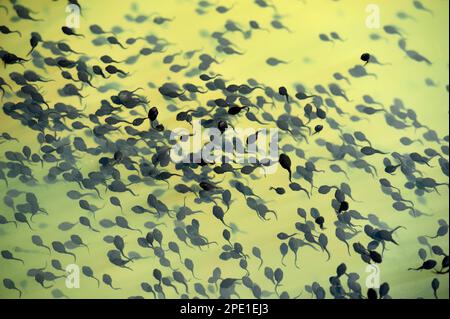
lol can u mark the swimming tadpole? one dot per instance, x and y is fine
(286, 163)
(69, 31)
(59, 248)
(365, 57)
(9, 284)
(25, 13)
(5, 30)
(10, 58)
(283, 92)
(317, 129)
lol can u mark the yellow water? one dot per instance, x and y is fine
(402, 78)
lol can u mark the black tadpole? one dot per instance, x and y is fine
(285, 162)
(34, 41)
(344, 206)
(222, 126)
(283, 92)
(10, 58)
(365, 57)
(70, 31)
(153, 114)
(208, 186)
(320, 221)
(318, 129)
(5, 30)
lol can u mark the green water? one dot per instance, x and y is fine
(311, 62)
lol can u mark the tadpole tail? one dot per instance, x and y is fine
(87, 248)
(211, 243)
(17, 259)
(73, 255)
(306, 191)
(223, 222)
(397, 228)
(138, 230)
(126, 267)
(48, 287)
(442, 272)
(29, 226)
(174, 288)
(274, 213)
(295, 261)
(98, 192)
(261, 263)
(328, 254)
(98, 282)
(37, 20)
(282, 261)
(3, 92)
(131, 192)
(193, 275)
(348, 247)
(94, 230)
